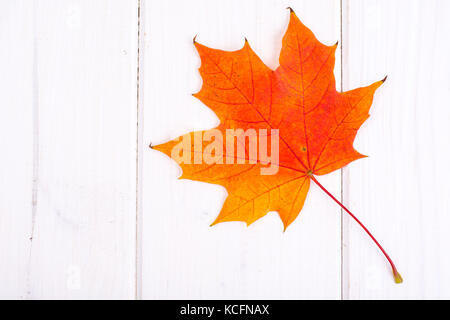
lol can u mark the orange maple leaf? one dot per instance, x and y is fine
(316, 126)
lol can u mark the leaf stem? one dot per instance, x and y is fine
(397, 277)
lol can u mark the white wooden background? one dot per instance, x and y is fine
(87, 210)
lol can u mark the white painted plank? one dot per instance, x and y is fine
(400, 191)
(182, 256)
(16, 145)
(84, 231)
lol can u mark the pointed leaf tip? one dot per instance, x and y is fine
(290, 10)
(193, 39)
(150, 146)
(384, 79)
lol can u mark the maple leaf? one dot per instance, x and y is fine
(316, 125)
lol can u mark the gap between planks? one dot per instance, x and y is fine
(344, 218)
(139, 158)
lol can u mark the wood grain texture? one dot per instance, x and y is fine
(17, 116)
(79, 65)
(401, 190)
(182, 256)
